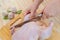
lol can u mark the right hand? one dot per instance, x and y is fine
(32, 10)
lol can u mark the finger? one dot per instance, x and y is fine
(44, 16)
(51, 24)
(26, 12)
(12, 29)
(47, 15)
(32, 15)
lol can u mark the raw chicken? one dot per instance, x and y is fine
(32, 31)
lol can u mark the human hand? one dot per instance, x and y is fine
(52, 9)
(12, 29)
(31, 10)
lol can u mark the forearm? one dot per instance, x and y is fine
(37, 2)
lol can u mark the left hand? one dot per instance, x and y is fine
(12, 29)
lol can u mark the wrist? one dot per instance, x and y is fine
(37, 2)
